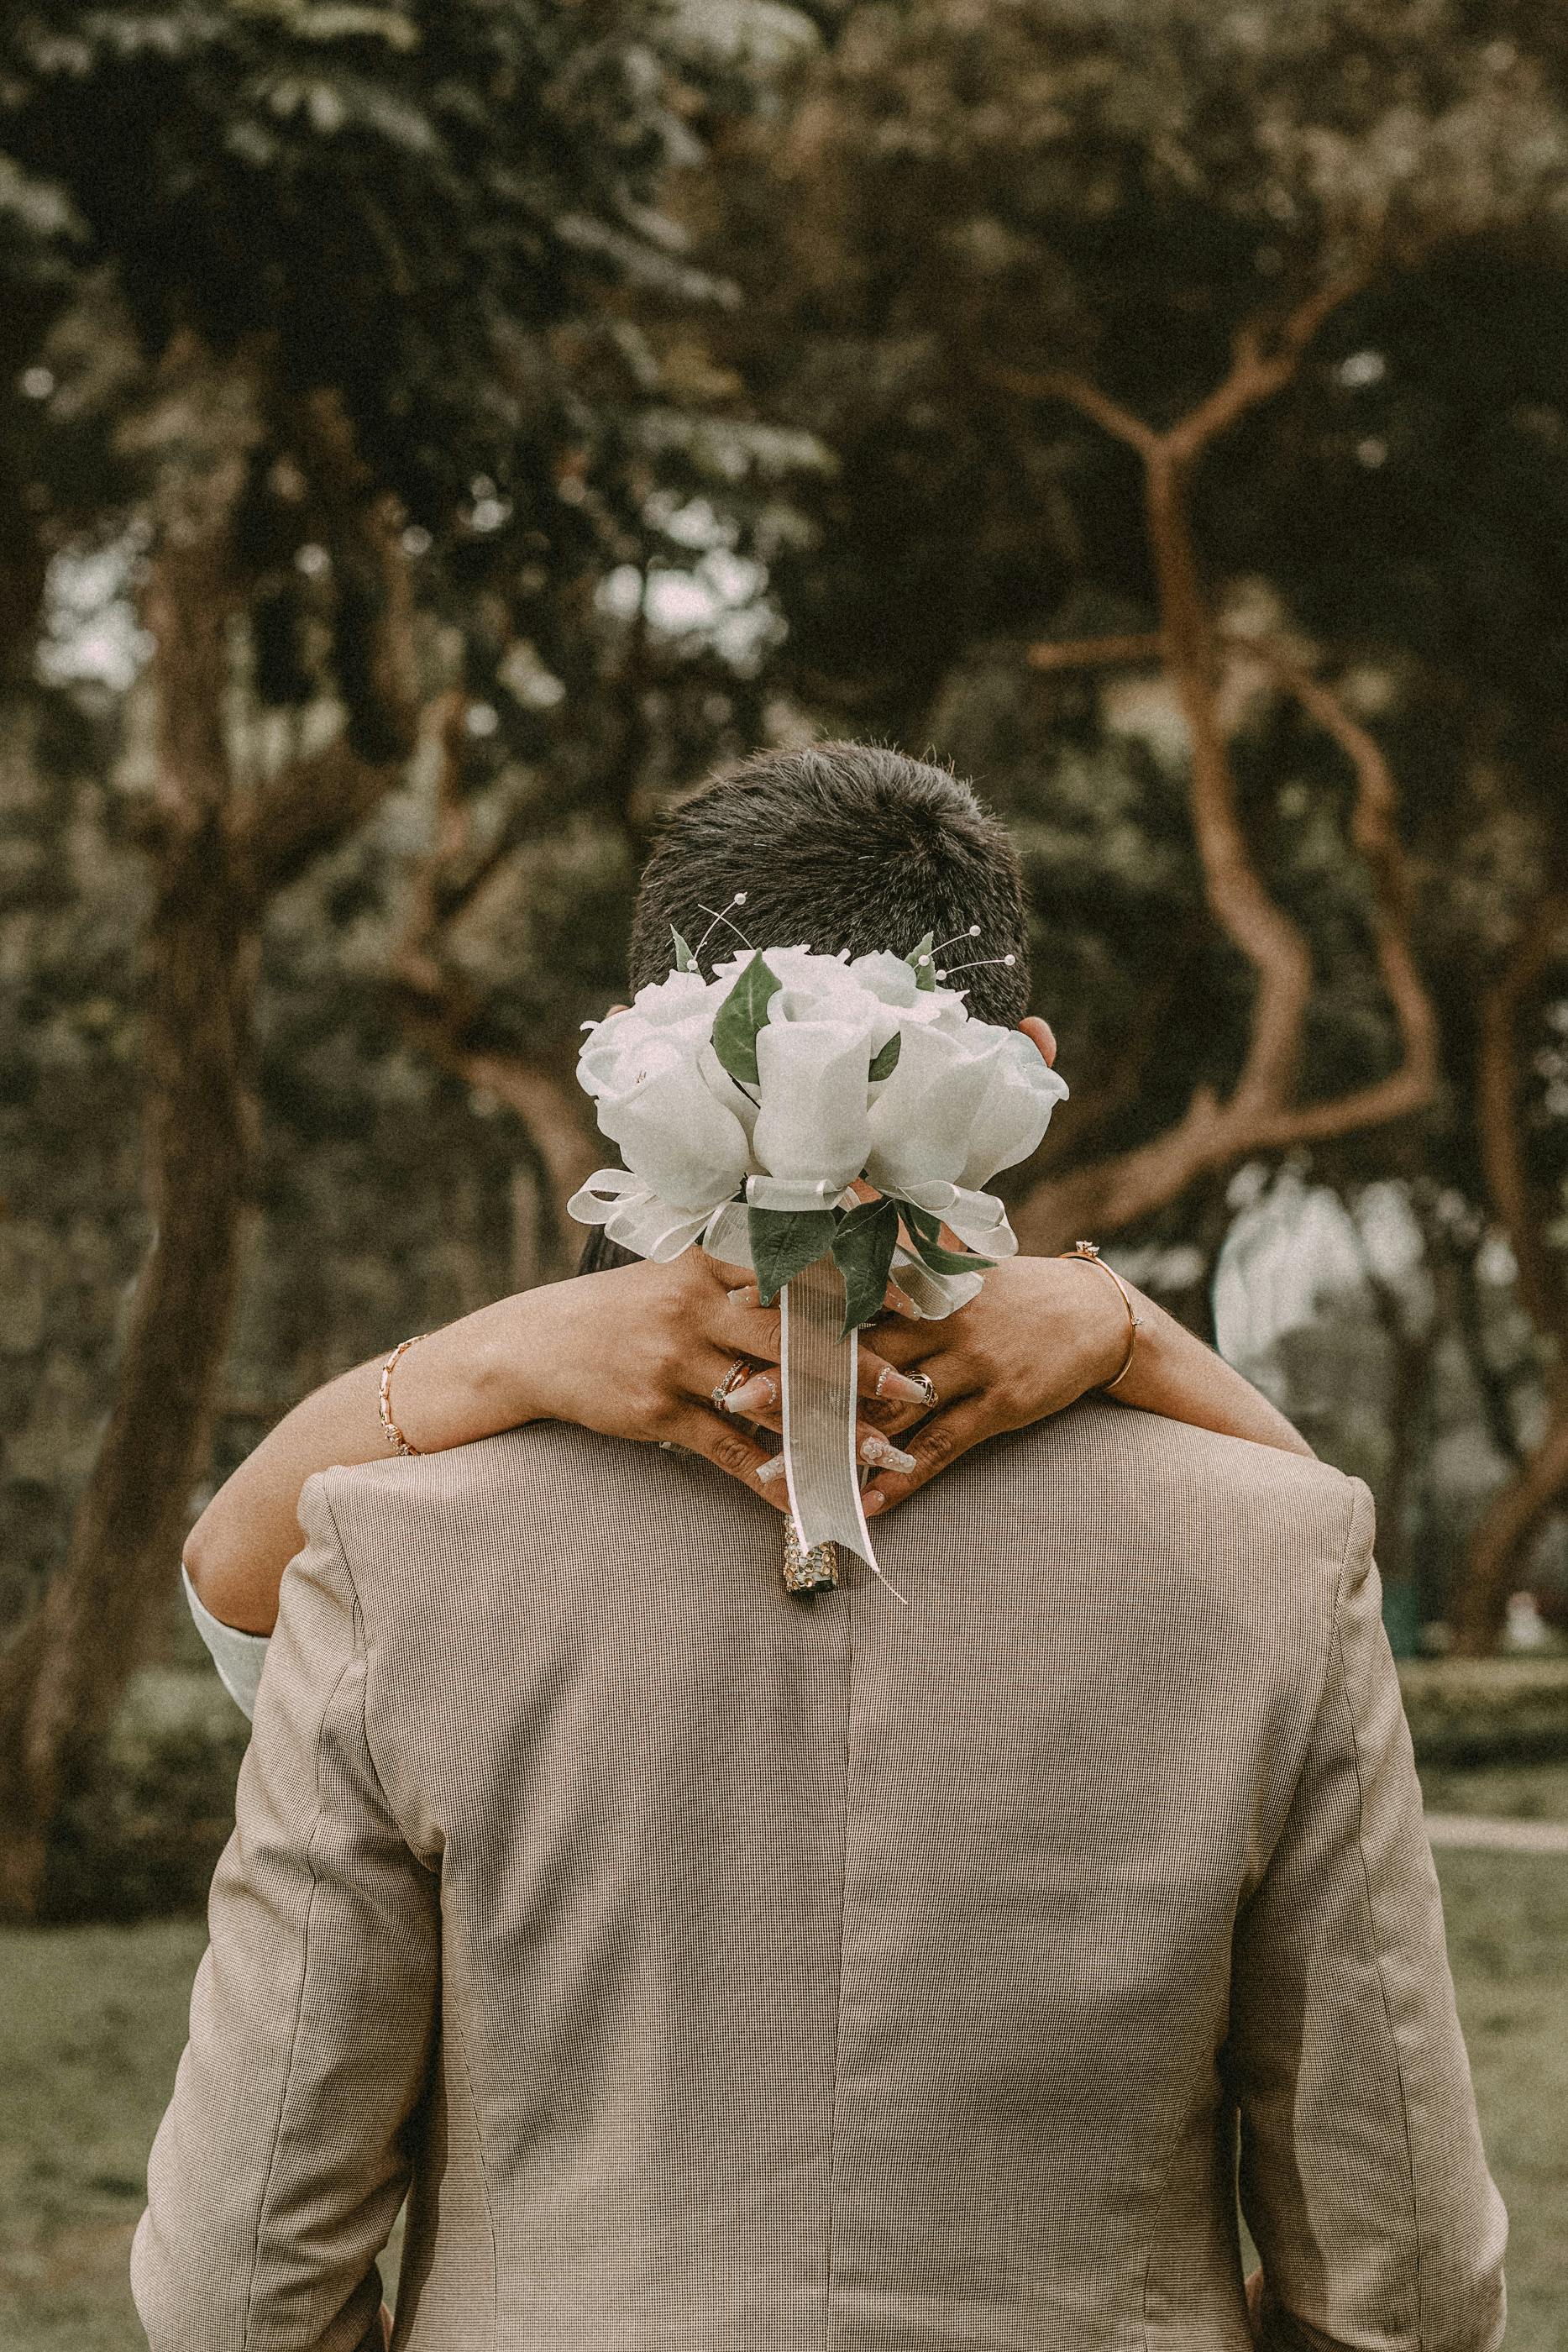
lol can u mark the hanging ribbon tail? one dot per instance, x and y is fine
(820, 1465)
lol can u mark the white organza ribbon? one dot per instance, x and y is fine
(634, 1217)
(822, 1463)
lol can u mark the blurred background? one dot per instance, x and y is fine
(435, 432)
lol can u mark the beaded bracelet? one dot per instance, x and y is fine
(394, 1435)
(1090, 1251)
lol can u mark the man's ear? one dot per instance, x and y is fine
(1040, 1033)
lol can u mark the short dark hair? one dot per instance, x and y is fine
(839, 845)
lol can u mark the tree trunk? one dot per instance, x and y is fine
(1516, 1512)
(218, 857)
(62, 1678)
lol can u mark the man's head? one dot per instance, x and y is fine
(842, 846)
(839, 845)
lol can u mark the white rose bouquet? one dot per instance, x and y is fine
(745, 1107)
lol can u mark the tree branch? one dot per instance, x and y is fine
(1262, 365)
(442, 1003)
(319, 798)
(1542, 1285)
(1098, 653)
(1082, 392)
(1374, 830)
(1271, 939)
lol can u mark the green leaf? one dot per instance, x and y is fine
(784, 1242)
(685, 959)
(863, 1249)
(924, 1231)
(884, 1064)
(739, 1018)
(924, 973)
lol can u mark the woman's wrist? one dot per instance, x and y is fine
(1148, 1365)
(487, 1361)
(1099, 1318)
(464, 1381)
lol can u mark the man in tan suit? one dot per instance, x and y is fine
(718, 1968)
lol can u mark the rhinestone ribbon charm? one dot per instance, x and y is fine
(808, 1571)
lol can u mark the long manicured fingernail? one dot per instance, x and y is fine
(873, 1501)
(736, 1297)
(912, 1388)
(884, 1456)
(767, 1472)
(758, 1395)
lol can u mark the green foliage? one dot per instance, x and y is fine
(784, 1242)
(389, 199)
(884, 1062)
(925, 1236)
(151, 1812)
(863, 1242)
(740, 1017)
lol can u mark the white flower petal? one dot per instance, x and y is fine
(920, 1121)
(672, 1133)
(1012, 1118)
(813, 1122)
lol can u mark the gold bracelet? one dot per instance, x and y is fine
(1089, 1252)
(394, 1435)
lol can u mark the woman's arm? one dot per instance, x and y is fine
(637, 1354)
(1041, 1332)
(634, 1353)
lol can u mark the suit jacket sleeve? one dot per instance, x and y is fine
(279, 2168)
(1362, 2178)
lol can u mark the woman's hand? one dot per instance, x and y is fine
(640, 1352)
(1041, 1333)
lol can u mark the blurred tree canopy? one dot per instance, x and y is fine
(433, 435)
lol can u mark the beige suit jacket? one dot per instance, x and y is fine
(719, 1970)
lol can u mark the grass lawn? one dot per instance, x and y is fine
(95, 2019)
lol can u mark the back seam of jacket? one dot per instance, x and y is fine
(838, 1985)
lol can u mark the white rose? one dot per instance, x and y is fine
(891, 978)
(887, 976)
(677, 1011)
(822, 987)
(1016, 1109)
(813, 1060)
(673, 1132)
(921, 1120)
(723, 1089)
